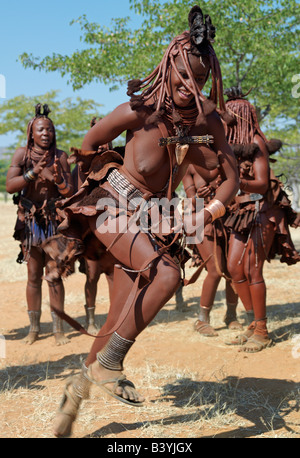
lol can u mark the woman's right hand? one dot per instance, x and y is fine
(41, 164)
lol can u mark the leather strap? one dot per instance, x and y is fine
(196, 274)
(129, 302)
(218, 269)
(165, 133)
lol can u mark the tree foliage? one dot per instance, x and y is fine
(71, 118)
(4, 164)
(287, 165)
(256, 42)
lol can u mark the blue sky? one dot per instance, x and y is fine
(42, 28)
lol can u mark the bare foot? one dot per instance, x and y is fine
(124, 389)
(31, 337)
(60, 338)
(64, 419)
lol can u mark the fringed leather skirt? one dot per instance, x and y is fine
(240, 217)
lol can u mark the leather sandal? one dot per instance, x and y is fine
(67, 415)
(241, 339)
(118, 381)
(255, 345)
(205, 329)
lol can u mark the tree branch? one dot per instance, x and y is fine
(248, 69)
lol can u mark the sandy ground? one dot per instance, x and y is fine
(195, 386)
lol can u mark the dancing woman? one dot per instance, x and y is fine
(259, 220)
(169, 125)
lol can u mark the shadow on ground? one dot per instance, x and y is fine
(262, 404)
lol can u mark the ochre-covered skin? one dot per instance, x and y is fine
(258, 218)
(213, 247)
(137, 296)
(51, 170)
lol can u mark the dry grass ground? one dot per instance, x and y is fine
(195, 387)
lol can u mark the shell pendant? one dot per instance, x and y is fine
(180, 152)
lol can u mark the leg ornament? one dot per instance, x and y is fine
(250, 316)
(112, 355)
(57, 323)
(34, 329)
(111, 358)
(202, 325)
(34, 318)
(58, 330)
(90, 320)
(230, 318)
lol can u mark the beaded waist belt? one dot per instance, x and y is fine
(182, 140)
(124, 187)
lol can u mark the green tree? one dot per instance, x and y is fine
(287, 168)
(287, 165)
(4, 165)
(71, 118)
(257, 44)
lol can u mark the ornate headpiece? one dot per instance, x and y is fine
(198, 40)
(39, 115)
(38, 111)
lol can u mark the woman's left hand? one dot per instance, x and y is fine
(203, 191)
(57, 172)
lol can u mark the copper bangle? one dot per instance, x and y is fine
(65, 190)
(63, 187)
(216, 209)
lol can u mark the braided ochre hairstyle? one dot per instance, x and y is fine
(196, 41)
(241, 135)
